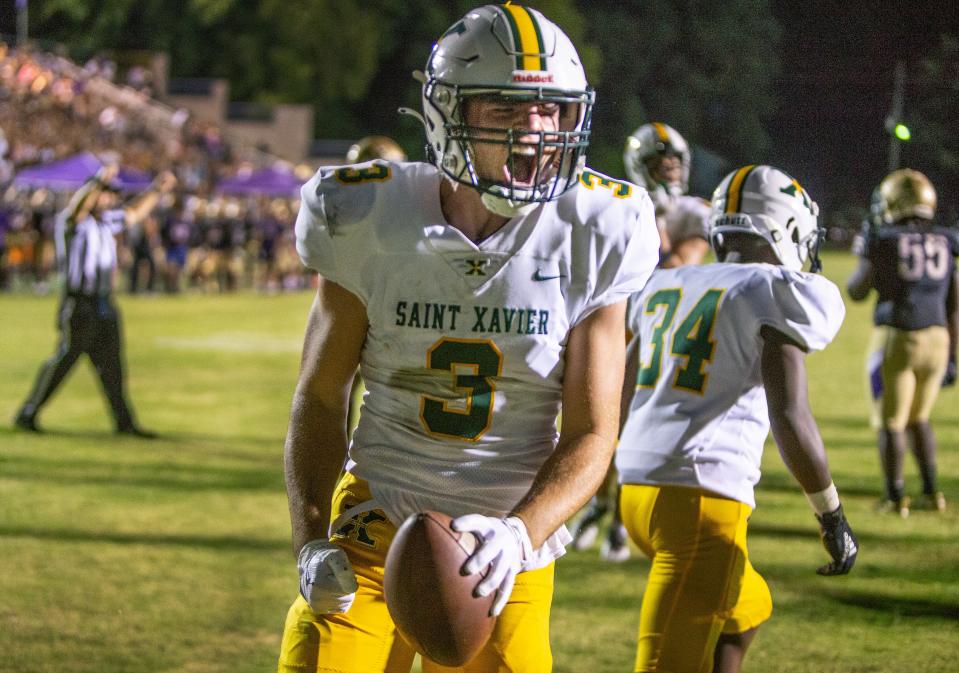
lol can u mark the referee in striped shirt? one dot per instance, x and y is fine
(88, 318)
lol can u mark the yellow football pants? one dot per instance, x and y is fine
(701, 582)
(365, 640)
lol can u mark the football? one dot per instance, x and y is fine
(431, 603)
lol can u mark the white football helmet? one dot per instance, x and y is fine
(764, 201)
(653, 140)
(516, 53)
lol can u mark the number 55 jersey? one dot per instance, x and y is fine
(464, 356)
(698, 416)
(913, 269)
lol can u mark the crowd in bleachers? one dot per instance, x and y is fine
(52, 108)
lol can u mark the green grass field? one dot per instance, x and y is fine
(128, 556)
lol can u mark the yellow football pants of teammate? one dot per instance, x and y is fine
(365, 640)
(701, 583)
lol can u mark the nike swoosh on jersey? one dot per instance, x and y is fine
(540, 277)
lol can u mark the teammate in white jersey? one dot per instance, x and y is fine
(719, 356)
(658, 157)
(478, 293)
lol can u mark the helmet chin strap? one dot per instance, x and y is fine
(412, 113)
(500, 205)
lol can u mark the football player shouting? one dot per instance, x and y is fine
(479, 293)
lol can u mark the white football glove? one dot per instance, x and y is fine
(504, 546)
(327, 581)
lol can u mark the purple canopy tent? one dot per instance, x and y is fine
(72, 172)
(265, 182)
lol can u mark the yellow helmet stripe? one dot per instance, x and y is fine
(735, 192)
(661, 131)
(527, 39)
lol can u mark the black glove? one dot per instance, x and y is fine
(840, 542)
(949, 378)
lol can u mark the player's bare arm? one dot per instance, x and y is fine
(689, 251)
(629, 379)
(592, 385)
(801, 446)
(316, 440)
(790, 417)
(143, 205)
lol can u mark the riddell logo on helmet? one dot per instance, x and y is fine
(733, 221)
(532, 76)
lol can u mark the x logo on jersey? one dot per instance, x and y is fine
(358, 528)
(476, 267)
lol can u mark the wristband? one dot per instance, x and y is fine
(826, 500)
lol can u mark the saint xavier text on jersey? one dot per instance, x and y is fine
(486, 319)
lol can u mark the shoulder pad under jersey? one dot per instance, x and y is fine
(613, 225)
(336, 228)
(806, 307)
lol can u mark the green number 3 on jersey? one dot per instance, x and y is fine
(691, 339)
(473, 365)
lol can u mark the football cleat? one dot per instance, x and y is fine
(137, 431)
(615, 548)
(26, 422)
(900, 507)
(587, 529)
(933, 502)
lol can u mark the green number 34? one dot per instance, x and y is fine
(691, 339)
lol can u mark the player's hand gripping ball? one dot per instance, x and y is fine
(433, 604)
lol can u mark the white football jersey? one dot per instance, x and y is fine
(684, 218)
(463, 361)
(699, 416)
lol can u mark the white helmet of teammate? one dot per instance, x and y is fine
(516, 53)
(765, 201)
(651, 141)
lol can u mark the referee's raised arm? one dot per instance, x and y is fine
(138, 209)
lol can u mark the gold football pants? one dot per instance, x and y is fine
(912, 369)
(364, 639)
(701, 582)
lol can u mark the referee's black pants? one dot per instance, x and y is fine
(88, 325)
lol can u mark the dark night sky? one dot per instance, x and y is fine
(835, 90)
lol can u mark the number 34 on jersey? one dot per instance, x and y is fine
(689, 337)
